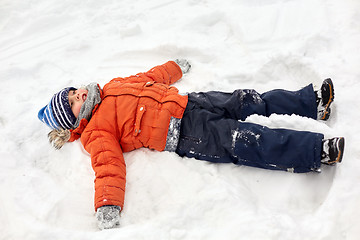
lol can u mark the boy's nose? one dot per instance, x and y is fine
(74, 97)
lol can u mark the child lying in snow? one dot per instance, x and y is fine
(144, 111)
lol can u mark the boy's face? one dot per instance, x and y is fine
(76, 100)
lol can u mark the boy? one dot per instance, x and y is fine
(145, 111)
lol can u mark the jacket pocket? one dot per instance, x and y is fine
(139, 114)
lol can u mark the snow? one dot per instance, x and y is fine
(46, 45)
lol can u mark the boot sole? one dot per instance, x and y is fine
(331, 99)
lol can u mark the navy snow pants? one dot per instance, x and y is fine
(211, 130)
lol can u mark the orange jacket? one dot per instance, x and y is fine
(134, 112)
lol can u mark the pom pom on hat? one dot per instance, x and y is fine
(58, 114)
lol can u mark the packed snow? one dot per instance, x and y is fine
(46, 45)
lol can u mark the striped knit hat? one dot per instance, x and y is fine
(58, 114)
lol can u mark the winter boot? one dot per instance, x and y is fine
(332, 151)
(324, 98)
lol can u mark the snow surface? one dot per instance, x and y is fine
(46, 45)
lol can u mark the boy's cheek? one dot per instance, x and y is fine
(76, 110)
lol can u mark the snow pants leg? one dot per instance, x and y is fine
(211, 130)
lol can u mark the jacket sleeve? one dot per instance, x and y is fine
(167, 73)
(109, 166)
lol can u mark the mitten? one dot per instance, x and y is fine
(183, 64)
(108, 216)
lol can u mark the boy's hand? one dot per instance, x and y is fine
(184, 65)
(108, 216)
